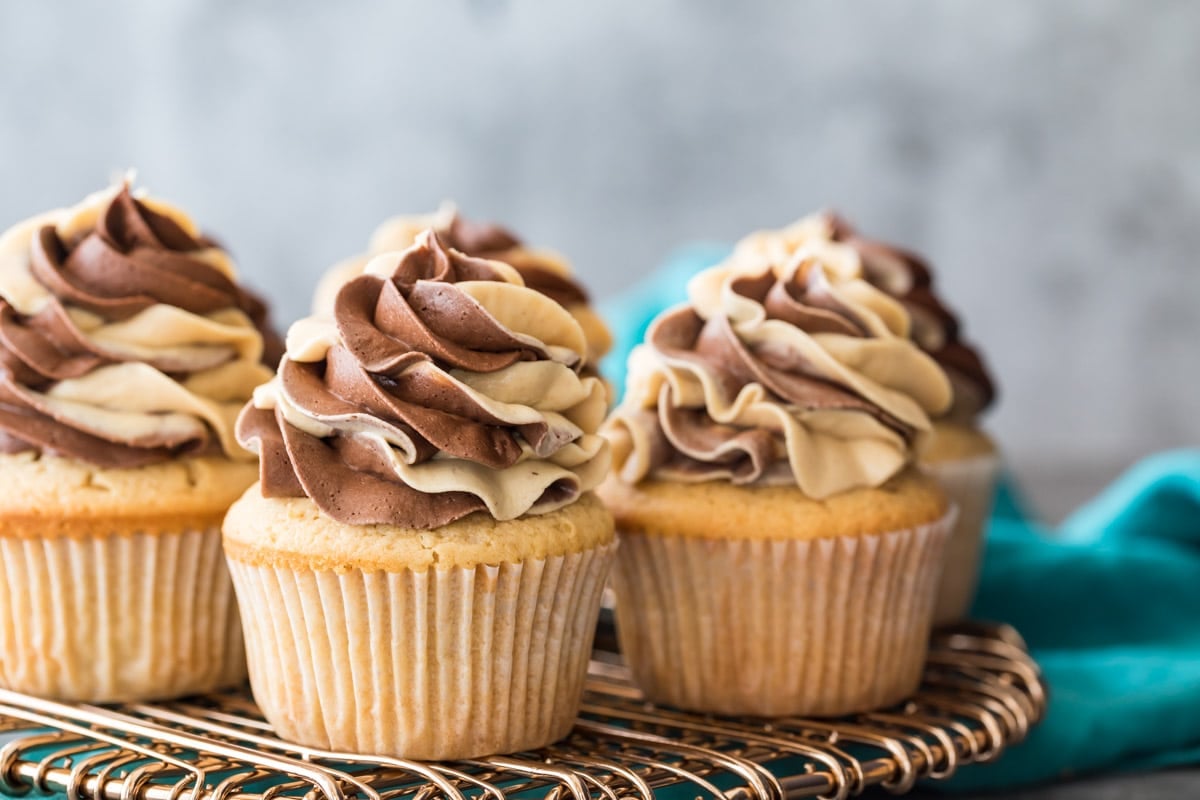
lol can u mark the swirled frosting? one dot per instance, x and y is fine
(903, 275)
(799, 374)
(440, 386)
(541, 270)
(124, 337)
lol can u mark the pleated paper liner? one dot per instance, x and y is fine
(117, 617)
(741, 626)
(434, 664)
(970, 484)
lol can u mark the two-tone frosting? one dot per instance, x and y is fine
(125, 338)
(901, 274)
(781, 374)
(541, 270)
(439, 386)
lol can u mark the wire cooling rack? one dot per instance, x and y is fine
(981, 693)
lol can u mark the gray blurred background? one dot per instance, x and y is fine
(1046, 157)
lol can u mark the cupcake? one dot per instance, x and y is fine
(421, 564)
(959, 453)
(128, 349)
(779, 552)
(542, 270)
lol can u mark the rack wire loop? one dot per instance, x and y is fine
(981, 694)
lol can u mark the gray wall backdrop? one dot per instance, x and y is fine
(1046, 156)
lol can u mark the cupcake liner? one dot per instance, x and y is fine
(436, 664)
(816, 627)
(971, 485)
(118, 617)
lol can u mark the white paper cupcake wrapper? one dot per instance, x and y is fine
(438, 664)
(744, 626)
(971, 485)
(118, 617)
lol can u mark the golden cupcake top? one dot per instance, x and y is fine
(290, 533)
(719, 510)
(125, 338)
(440, 386)
(774, 373)
(541, 270)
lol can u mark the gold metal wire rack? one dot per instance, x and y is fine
(981, 693)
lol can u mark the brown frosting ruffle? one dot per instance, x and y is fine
(907, 277)
(491, 241)
(695, 446)
(488, 240)
(541, 270)
(133, 258)
(350, 427)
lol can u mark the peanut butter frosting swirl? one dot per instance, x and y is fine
(541, 270)
(778, 375)
(440, 386)
(903, 275)
(125, 339)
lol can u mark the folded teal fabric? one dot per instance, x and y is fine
(1109, 603)
(1110, 607)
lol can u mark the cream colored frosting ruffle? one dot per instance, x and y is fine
(400, 232)
(549, 392)
(822, 450)
(132, 401)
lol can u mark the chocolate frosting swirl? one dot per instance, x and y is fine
(124, 338)
(777, 376)
(442, 387)
(541, 271)
(905, 276)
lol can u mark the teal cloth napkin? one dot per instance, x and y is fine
(1109, 603)
(1110, 607)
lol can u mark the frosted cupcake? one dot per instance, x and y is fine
(542, 270)
(128, 349)
(780, 555)
(421, 565)
(959, 454)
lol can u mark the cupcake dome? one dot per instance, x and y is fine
(127, 349)
(779, 552)
(424, 556)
